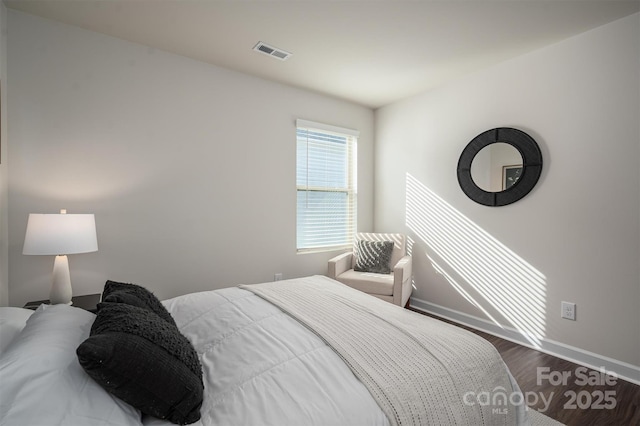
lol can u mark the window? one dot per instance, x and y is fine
(326, 184)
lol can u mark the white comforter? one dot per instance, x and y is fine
(262, 367)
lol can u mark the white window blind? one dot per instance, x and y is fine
(326, 186)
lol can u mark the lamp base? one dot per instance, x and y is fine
(61, 291)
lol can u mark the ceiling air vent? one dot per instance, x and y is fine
(274, 52)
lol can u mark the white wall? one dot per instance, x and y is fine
(575, 237)
(4, 164)
(189, 168)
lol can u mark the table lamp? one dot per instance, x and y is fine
(60, 235)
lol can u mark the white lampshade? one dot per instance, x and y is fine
(60, 234)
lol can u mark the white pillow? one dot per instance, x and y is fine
(42, 381)
(12, 321)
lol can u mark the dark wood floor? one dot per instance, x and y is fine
(604, 403)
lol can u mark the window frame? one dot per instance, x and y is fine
(350, 189)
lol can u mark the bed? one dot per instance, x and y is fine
(307, 351)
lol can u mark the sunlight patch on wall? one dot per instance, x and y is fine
(504, 280)
(460, 289)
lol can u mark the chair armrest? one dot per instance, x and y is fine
(402, 279)
(339, 264)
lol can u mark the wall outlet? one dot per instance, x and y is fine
(278, 276)
(568, 311)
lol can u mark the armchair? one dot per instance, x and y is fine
(394, 287)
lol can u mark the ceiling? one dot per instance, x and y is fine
(369, 52)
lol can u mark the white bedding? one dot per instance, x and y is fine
(419, 370)
(42, 383)
(12, 321)
(262, 367)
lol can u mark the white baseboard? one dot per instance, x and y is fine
(623, 370)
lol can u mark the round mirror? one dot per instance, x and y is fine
(496, 167)
(499, 166)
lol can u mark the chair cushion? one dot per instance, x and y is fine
(379, 284)
(374, 256)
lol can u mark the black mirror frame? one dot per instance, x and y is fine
(531, 166)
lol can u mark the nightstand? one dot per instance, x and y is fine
(88, 302)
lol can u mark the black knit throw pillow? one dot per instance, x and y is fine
(373, 256)
(133, 294)
(145, 361)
